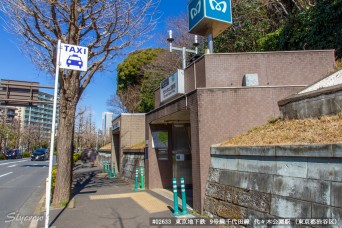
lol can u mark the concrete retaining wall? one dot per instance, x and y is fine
(130, 162)
(321, 102)
(275, 182)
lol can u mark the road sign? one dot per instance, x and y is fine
(73, 57)
(209, 16)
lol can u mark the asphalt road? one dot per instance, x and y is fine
(21, 187)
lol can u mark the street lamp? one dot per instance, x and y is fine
(183, 49)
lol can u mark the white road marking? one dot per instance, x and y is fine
(5, 174)
(13, 162)
(11, 166)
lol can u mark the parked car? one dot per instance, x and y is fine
(14, 154)
(40, 155)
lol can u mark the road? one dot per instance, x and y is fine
(21, 188)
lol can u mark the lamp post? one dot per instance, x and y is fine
(184, 50)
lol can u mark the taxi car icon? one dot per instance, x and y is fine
(74, 60)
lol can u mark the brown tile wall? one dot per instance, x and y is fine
(223, 113)
(273, 68)
(157, 98)
(189, 79)
(132, 131)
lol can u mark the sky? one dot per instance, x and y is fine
(15, 66)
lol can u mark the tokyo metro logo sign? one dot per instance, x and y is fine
(209, 16)
(219, 6)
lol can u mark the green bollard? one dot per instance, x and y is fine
(184, 211)
(136, 179)
(108, 167)
(175, 197)
(111, 174)
(114, 170)
(142, 178)
(105, 168)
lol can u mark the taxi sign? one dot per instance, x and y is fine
(209, 16)
(73, 57)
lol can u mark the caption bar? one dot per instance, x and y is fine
(243, 222)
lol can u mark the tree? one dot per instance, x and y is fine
(130, 75)
(105, 27)
(125, 100)
(161, 67)
(317, 27)
(85, 130)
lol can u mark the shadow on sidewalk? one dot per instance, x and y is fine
(87, 181)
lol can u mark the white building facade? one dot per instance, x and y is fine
(107, 118)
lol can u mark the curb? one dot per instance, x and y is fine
(39, 209)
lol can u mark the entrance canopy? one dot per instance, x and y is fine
(180, 117)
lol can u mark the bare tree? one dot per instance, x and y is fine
(85, 130)
(105, 27)
(125, 101)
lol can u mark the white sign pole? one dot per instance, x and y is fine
(52, 144)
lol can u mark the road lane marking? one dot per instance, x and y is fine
(5, 174)
(11, 166)
(13, 162)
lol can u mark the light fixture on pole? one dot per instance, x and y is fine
(183, 49)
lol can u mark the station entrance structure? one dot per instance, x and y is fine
(224, 95)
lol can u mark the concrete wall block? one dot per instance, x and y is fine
(320, 211)
(231, 211)
(216, 150)
(216, 191)
(252, 200)
(252, 181)
(256, 164)
(325, 169)
(293, 167)
(255, 218)
(326, 212)
(298, 188)
(337, 150)
(214, 175)
(336, 194)
(257, 150)
(336, 213)
(209, 205)
(290, 208)
(226, 162)
(312, 150)
(229, 194)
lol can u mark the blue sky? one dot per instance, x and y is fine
(15, 66)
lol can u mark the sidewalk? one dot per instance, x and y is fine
(103, 202)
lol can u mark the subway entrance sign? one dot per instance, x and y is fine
(209, 16)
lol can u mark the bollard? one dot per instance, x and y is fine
(111, 173)
(142, 179)
(175, 197)
(107, 167)
(184, 211)
(136, 179)
(114, 170)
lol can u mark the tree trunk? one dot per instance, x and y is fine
(68, 99)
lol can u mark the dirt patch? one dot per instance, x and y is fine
(324, 130)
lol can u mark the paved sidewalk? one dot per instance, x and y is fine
(104, 202)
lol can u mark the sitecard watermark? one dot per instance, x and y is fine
(16, 217)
